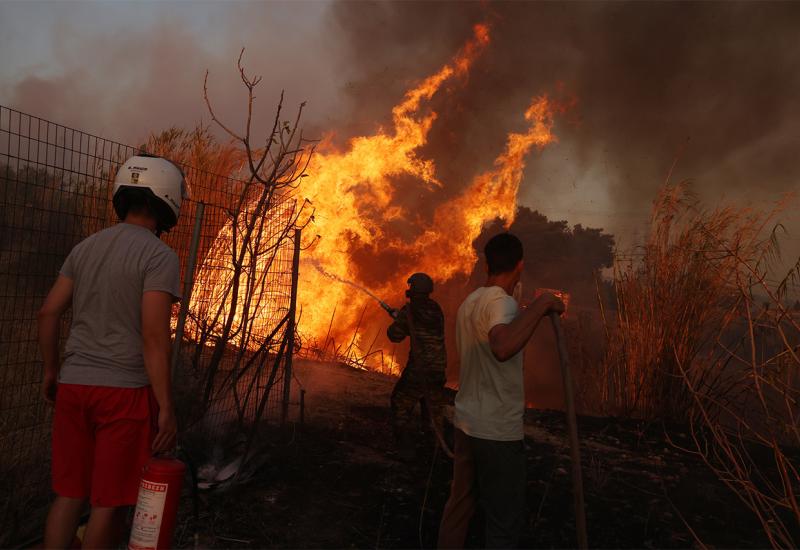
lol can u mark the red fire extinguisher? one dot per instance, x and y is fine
(157, 505)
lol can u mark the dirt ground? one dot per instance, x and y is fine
(337, 482)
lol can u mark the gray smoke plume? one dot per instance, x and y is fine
(713, 88)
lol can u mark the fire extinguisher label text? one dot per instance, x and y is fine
(148, 515)
(154, 487)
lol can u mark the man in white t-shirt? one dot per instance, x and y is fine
(489, 464)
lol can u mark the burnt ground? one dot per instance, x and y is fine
(336, 482)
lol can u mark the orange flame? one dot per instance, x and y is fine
(256, 317)
(347, 188)
(492, 195)
(353, 192)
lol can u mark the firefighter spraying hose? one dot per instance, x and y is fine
(422, 381)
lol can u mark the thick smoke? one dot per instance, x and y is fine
(712, 87)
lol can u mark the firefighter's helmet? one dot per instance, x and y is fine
(420, 283)
(162, 183)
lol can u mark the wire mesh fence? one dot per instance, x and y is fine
(55, 190)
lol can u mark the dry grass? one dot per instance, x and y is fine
(198, 148)
(692, 343)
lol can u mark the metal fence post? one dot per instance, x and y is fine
(287, 373)
(187, 288)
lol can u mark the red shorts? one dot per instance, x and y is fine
(102, 438)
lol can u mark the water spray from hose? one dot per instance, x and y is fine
(389, 309)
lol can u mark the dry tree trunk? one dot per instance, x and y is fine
(273, 172)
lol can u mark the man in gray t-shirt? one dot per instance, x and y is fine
(110, 271)
(112, 394)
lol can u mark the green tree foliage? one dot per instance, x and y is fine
(556, 255)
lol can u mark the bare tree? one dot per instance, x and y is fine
(242, 317)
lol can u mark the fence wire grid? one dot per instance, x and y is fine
(55, 190)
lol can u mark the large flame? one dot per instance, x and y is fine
(354, 194)
(492, 195)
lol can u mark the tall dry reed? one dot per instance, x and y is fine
(704, 335)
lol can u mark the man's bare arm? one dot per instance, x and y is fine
(508, 340)
(57, 302)
(156, 312)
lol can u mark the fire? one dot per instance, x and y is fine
(491, 195)
(352, 192)
(267, 304)
(355, 190)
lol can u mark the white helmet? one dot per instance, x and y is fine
(160, 179)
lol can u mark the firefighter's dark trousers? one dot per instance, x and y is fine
(423, 387)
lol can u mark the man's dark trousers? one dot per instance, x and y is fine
(492, 473)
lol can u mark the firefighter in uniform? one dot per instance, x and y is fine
(422, 381)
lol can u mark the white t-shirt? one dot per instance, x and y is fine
(491, 397)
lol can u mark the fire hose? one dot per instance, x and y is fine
(575, 452)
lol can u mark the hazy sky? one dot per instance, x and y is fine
(125, 69)
(715, 85)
